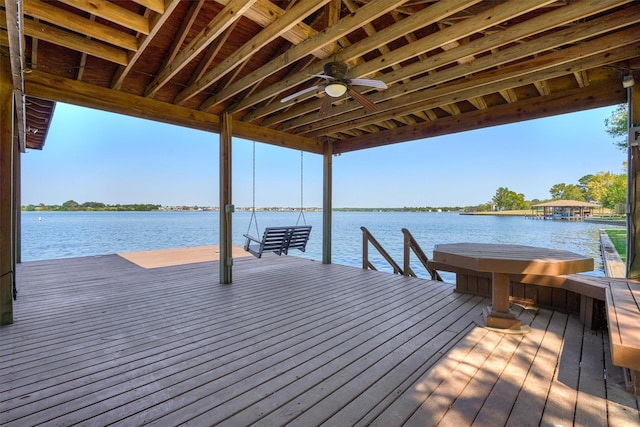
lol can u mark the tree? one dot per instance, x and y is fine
(506, 199)
(616, 192)
(564, 191)
(599, 185)
(617, 125)
(70, 205)
(584, 186)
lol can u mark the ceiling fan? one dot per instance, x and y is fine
(337, 85)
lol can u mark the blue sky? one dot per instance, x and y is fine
(91, 155)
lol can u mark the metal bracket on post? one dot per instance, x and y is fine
(634, 136)
(229, 208)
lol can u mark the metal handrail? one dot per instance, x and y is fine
(410, 244)
(367, 238)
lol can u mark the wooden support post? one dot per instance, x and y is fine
(633, 209)
(7, 263)
(500, 316)
(327, 204)
(226, 206)
(17, 199)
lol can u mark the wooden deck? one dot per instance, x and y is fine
(101, 340)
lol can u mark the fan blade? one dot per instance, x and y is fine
(369, 106)
(324, 76)
(325, 106)
(368, 82)
(300, 92)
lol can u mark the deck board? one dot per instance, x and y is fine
(100, 340)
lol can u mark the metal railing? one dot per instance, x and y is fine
(410, 245)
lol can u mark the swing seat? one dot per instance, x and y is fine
(278, 240)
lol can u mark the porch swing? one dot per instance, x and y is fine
(277, 239)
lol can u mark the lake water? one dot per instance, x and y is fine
(50, 235)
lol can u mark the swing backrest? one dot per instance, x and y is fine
(299, 237)
(275, 239)
(279, 240)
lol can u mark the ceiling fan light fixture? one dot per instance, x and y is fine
(628, 81)
(335, 89)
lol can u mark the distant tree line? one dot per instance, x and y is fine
(72, 205)
(403, 209)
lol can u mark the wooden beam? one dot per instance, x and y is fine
(365, 14)
(572, 34)
(223, 20)
(47, 86)
(327, 202)
(633, 197)
(86, 26)
(297, 13)
(17, 201)
(14, 20)
(265, 13)
(183, 31)
(429, 15)
(595, 96)
(156, 25)
(154, 5)
(74, 41)
(442, 38)
(226, 201)
(210, 55)
(606, 50)
(436, 40)
(7, 266)
(112, 12)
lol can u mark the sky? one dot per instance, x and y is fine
(92, 155)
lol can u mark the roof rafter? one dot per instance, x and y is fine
(71, 21)
(112, 12)
(156, 26)
(231, 13)
(610, 49)
(435, 13)
(297, 13)
(438, 39)
(571, 34)
(607, 93)
(367, 13)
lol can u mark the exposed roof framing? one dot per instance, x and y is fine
(449, 65)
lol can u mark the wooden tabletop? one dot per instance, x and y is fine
(516, 259)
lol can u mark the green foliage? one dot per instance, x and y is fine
(506, 199)
(605, 187)
(72, 205)
(616, 192)
(617, 125)
(566, 192)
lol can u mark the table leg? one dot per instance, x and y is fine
(499, 315)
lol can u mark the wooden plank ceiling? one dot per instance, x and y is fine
(449, 65)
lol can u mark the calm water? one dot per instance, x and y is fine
(49, 235)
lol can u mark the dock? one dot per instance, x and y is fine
(103, 340)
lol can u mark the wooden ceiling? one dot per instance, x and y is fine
(450, 65)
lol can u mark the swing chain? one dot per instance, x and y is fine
(301, 215)
(253, 218)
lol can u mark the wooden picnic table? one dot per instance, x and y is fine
(501, 260)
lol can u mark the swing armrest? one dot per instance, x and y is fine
(248, 241)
